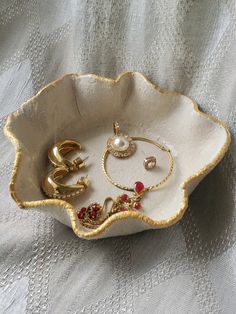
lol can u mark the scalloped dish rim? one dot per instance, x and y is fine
(122, 215)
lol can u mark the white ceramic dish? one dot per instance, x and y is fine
(84, 107)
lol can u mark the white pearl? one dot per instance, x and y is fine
(120, 143)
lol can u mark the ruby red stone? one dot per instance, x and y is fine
(122, 208)
(138, 187)
(81, 213)
(93, 214)
(124, 197)
(83, 209)
(137, 205)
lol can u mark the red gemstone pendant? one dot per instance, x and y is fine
(124, 197)
(138, 187)
(137, 205)
(93, 214)
(82, 212)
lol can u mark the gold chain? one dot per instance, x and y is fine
(151, 187)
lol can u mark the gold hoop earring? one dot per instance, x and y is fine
(54, 189)
(59, 150)
(133, 139)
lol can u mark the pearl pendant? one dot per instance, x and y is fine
(120, 145)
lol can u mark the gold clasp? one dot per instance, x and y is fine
(116, 128)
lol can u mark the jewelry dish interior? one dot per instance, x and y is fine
(84, 107)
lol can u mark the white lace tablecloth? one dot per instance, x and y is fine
(184, 45)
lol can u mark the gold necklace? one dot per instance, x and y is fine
(121, 146)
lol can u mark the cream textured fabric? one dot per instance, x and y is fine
(189, 268)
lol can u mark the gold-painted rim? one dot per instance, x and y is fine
(122, 215)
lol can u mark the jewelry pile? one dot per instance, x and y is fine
(92, 215)
(120, 146)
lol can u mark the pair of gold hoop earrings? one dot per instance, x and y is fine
(120, 146)
(51, 184)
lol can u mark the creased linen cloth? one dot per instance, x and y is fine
(186, 45)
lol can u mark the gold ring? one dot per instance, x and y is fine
(120, 146)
